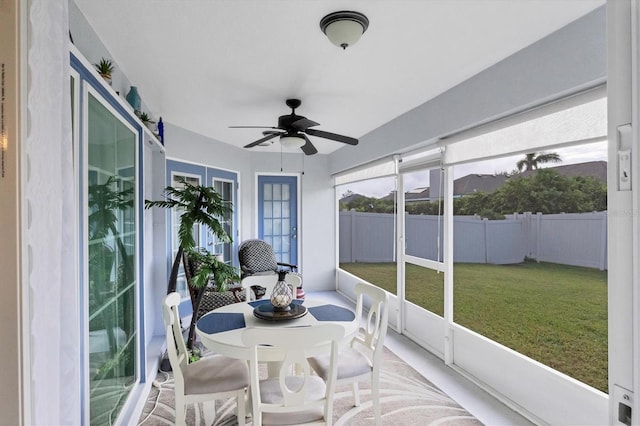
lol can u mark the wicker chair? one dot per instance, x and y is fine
(211, 299)
(257, 258)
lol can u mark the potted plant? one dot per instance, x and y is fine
(146, 120)
(201, 205)
(105, 69)
(209, 271)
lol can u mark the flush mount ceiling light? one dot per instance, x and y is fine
(292, 141)
(344, 28)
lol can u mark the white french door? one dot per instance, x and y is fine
(226, 184)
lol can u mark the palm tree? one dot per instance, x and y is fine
(202, 205)
(198, 204)
(531, 161)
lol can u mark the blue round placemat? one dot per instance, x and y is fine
(332, 313)
(216, 322)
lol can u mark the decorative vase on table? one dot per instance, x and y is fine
(133, 97)
(281, 295)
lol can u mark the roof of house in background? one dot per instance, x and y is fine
(475, 182)
(596, 169)
(472, 183)
(353, 196)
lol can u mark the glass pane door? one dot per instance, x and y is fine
(225, 183)
(277, 215)
(111, 245)
(225, 189)
(176, 212)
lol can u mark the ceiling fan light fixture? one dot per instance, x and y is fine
(344, 28)
(289, 141)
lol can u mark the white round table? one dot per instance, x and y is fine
(221, 329)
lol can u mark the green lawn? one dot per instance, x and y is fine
(555, 314)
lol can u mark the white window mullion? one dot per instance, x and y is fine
(635, 186)
(448, 264)
(622, 243)
(400, 249)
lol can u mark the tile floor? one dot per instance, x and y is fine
(485, 407)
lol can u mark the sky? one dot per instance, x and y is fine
(380, 187)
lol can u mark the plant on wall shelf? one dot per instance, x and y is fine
(105, 69)
(146, 120)
(144, 117)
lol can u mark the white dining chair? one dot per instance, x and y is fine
(207, 379)
(361, 360)
(293, 398)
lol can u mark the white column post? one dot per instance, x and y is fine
(448, 264)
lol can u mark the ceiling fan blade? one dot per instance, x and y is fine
(332, 136)
(259, 141)
(308, 147)
(303, 124)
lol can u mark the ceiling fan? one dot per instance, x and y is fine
(293, 130)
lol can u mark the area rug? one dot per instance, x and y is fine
(406, 398)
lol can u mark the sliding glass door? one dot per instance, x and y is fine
(111, 244)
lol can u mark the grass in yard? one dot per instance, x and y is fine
(555, 314)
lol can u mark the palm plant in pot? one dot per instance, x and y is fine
(147, 120)
(105, 69)
(203, 205)
(208, 271)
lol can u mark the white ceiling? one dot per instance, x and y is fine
(207, 64)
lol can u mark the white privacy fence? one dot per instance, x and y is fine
(578, 239)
